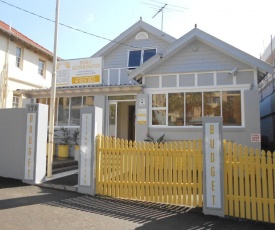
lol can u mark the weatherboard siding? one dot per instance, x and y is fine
(204, 59)
(118, 58)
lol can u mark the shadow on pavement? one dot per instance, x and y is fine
(136, 211)
(194, 221)
(157, 216)
(14, 193)
(10, 183)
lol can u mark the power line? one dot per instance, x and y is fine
(70, 27)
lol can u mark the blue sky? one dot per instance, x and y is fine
(245, 24)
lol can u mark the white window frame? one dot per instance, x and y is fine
(15, 101)
(166, 92)
(141, 56)
(43, 72)
(20, 63)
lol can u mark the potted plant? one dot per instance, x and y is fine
(64, 145)
(76, 145)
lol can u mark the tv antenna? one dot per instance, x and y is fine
(161, 7)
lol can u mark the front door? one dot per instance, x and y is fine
(121, 117)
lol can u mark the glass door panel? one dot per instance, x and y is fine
(113, 119)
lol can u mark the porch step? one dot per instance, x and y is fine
(64, 169)
(63, 165)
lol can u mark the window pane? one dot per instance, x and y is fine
(41, 66)
(193, 108)
(158, 100)
(231, 108)
(15, 102)
(148, 54)
(88, 101)
(158, 117)
(63, 111)
(112, 119)
(18, 56)
(134, 58)
(75, 110)
(212, 104)
(176, 109)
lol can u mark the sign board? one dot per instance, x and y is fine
(79, 72)
(213, 196)
(255, 137)
(142, 116)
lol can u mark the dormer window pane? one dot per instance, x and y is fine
(134, 58)
(137, 57)
(148, 54)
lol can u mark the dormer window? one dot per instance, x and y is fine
(137, 57)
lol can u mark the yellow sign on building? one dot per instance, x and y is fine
(79, 72)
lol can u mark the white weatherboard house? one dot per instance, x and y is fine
(153, 83)
(24, 64)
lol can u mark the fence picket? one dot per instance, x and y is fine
(264, 186)
(230, 180)
(253, 184)
(235, 180)
(247, 185)
(271, 184)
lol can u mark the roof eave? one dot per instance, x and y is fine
(80, 91)
(208, 39)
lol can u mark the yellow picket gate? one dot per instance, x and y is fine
(173, 173)
(249, 178)
(166, 173)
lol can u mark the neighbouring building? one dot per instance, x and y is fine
(24, 64)
(153, 83)
(267, 101)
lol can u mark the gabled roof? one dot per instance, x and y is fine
(140, 25)
(16, 34)
(196, 34)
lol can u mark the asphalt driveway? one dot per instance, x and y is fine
(25, 206)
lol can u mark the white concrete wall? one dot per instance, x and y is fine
(12, 142)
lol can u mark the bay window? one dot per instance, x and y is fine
(187, 109)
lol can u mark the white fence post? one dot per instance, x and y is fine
(90, 126)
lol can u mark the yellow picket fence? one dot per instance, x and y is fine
(249, 178)
(173, 173)
(166, 173)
